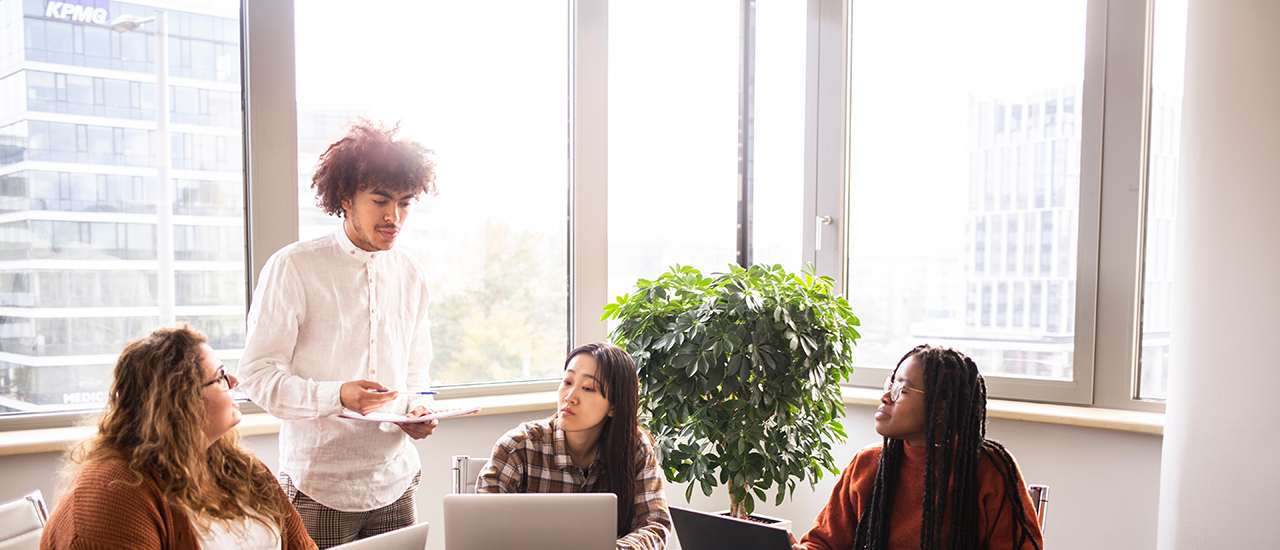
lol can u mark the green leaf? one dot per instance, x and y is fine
(739, 374)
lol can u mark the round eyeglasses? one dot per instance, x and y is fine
(222, 377)
(895, 389)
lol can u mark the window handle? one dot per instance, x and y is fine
(817, 231)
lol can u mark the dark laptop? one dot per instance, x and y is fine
(704, 531)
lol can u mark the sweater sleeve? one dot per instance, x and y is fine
(504, 471)
(265, 372)
(837, 523)
(997, 513)
(106, 509)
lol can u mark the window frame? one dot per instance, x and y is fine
(1113, 168)
(1110, 256)
(271, 161)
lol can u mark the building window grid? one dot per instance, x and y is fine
(1029, 231)
(120, 98)
(202, 47)
(204, 57)
(64, 142)
(84, 191)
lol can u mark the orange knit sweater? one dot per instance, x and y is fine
(835, 526)
(98, 514)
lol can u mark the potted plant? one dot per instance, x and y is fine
(740, 376)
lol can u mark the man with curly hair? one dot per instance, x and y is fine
(340, 322)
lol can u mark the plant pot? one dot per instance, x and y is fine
(767, 520)
(673, 542)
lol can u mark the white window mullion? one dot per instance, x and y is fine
(588, 169)
(271, 139)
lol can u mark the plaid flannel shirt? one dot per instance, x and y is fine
(534, 458)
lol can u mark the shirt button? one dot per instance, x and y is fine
(375, 255)
(373, 371)
(373, 341)
(353, 253)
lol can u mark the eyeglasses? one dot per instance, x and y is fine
(895, 389)
(222, 377)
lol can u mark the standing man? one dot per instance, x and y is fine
(340, 322)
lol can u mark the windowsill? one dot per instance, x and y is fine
(56, 440)
(49, 440)
(1065, 415)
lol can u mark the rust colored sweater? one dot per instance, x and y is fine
(835, 526)
(98, 514)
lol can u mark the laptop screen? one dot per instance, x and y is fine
(413, 537)
(531, 521)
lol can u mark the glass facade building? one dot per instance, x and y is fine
(1021, 235)
(78, 190)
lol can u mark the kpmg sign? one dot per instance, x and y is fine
(85, 11)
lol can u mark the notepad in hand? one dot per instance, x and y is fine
(402, 419)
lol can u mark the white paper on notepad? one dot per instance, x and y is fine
(402, 419)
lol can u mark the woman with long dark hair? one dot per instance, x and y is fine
(592, 444)
(935, 482)
(166, 469)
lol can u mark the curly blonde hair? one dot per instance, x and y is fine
(154, 422)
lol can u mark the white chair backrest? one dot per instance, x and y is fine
(21, 522)
(465, 472)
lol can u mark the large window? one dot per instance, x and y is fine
(483, 84)
(706, 135)
(673, 137)
(82, 270)
(778, 133)
(964, 178)
(966, 168)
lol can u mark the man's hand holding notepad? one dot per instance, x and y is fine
(402, 419)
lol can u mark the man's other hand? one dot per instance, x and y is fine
(421, 429)
(358, 395)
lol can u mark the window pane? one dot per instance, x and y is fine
(78, 253)
(490, 99)
(1168, 57)
(964, 171)
(778, 191)
(673, 137)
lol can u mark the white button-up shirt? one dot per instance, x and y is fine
(326, 312)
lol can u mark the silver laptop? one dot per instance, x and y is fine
(704, 531)
(413, 537)
(531, 521)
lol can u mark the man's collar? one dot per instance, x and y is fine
(350, 249)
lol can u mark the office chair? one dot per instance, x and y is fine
(465, 472)
(1040, 499)
(21, 522)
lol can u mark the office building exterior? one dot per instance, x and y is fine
(1022, 230)
(78, 190)
(1020, 262)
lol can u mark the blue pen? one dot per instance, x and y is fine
(408, 392)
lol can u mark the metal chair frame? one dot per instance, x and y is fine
(465, 471)
(1039, 499)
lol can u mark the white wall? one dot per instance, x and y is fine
(1220, 476)
(1104, 484)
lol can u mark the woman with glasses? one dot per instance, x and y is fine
(166, 469)
(936, 481)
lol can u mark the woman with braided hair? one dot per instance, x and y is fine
(896, 494)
